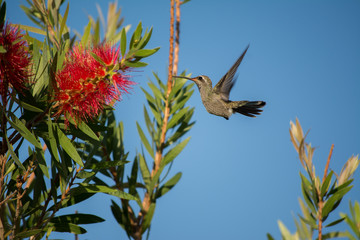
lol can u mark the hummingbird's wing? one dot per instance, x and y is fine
(223, 87)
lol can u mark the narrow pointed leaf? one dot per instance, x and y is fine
(144, 170)
(144, 140)
(52, 140)
(22, 129)
(85, 129)
(92, 188)
(148, 217)
(284, 231)
(135, 64)
(335, 222)
(28, 106)
(331, 203)
(123, 42)
(171, 155)
(68, 147)
(32, 29)
(146, 52)
(13, 155)
(28, 233)
(63, 21)
(326, 184)
(68, 227)
(106, 164)
(78, 218)
(85, 37)
(156, 91)
(169, 185)
(177, 118)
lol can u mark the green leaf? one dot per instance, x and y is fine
(85, 37)
(22, 129)
(338, 188)
(123, 42)
(28, 106)
(13, 155)
(63, 22)
(136, 35)
(2, 13)
(307, 193)
(105, 164)
(85, 129)
(311, 222)
(149, 124)
(170, 156)
(52, 140)
(148, 217)
(145, 39)
(153, 108)
(135, 64)
(78, 218)
(10, 166)
(156, 91)
(182, 129)
(169, 185)
(332, 202)
(68, 227)
(92, 188)
(335, 222)
(145, 141)
(98, 59)
(326, 184)
(32, 29)
(84, 174)
(28, 233)
(42, 162)
(73, 200)
(285, 233)
(116, 211)
(177, 118)
(269, 237)
(144, 170)
(68, 147)
(145, 52)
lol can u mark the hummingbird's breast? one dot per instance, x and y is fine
(215, 105)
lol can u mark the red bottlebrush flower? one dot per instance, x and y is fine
(87, 83)
(14, 59)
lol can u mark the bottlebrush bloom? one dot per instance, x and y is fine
(14, 59)
(87, 83)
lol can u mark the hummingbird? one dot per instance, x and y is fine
(216, 99)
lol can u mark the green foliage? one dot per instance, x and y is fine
(353, 221)
(321, 197)
(142, 176)
(63, 161)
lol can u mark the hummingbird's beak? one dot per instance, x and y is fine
(192, 79)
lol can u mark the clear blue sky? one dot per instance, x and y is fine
(241, 176)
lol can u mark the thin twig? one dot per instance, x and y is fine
(177, 38)
(321, 201)
(328, 163)
(172, 69)
(8, 197)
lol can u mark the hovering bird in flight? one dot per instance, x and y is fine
(216, 100)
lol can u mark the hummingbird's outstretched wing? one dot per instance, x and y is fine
(223, 87)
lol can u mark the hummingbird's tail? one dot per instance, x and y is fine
(248, 108)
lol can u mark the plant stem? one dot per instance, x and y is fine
(321, 201)
(172, 70)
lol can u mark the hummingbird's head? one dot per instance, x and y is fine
(200, 81)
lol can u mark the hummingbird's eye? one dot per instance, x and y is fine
(200, 78)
